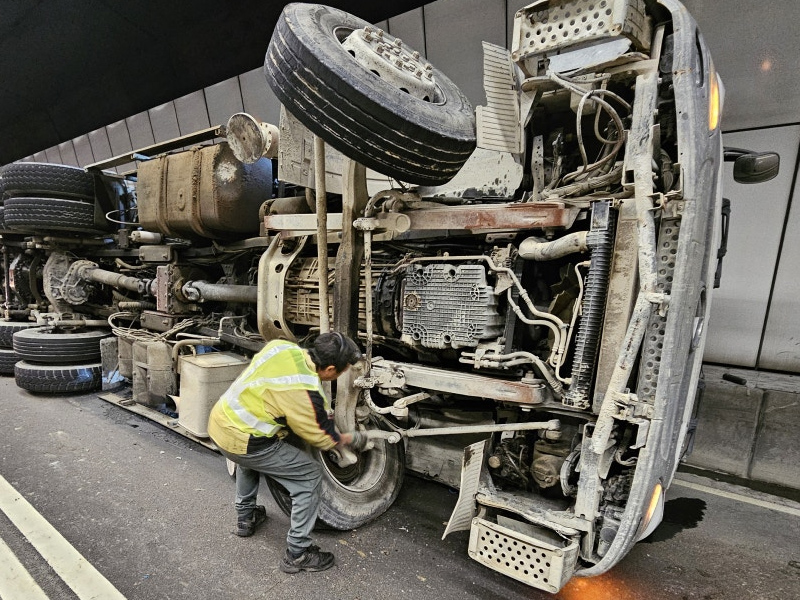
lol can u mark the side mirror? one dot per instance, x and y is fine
(752, 167)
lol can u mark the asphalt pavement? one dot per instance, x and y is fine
(152, 513)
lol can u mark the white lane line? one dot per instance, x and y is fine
(82, 578)
(15, 581)
(739, 497)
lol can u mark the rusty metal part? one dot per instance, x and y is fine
(483, 217)
(202, 193)
(475, 218)
(396, 374)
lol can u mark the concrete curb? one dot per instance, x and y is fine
(749, 429)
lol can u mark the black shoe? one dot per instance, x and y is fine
(313, 559)
(246, 526)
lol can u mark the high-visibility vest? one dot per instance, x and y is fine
(279, 366)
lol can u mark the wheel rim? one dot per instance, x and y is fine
(362, 476)
(389, 59)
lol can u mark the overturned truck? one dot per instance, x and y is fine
(530, 280)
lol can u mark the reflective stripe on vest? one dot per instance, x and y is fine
(237, 410)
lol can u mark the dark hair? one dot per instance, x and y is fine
(334, 349)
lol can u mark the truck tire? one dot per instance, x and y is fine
(52, 379)
(50, 214)
(44, 179)
(8, 358)
(9, 328)
(53, 347)
(369, 117)
(354, 495)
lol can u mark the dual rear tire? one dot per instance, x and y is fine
(55, 361)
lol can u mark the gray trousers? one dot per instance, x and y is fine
(295, 470)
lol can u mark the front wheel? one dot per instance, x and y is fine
(354, 495)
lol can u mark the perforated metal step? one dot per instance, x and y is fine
(536, 562)
(547, 26)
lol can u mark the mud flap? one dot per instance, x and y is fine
(466, 508)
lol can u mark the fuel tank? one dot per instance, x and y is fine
(204, 192)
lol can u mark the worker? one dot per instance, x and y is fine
(280, 389)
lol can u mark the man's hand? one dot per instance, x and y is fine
(359, 441)
(355, 440)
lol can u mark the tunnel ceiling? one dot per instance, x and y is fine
(67, 68)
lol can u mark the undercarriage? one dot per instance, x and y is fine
(530, 284)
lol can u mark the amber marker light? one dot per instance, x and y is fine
(714, 101)
(651, 509)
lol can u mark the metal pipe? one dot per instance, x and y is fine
(114, 279)
(82, 241)
(72, 322)
(203, 291)
(136, 305)
(394, 437)
(368, 293)
(322, 234)
(575, 312)
(513, 359)
(202, 341)
(534, 248)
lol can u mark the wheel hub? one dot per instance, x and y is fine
(388, 58)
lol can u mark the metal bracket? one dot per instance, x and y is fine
(630, 408)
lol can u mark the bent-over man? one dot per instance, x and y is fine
(280, 389)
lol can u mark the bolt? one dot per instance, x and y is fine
(429, 67)
(380, 33)
(398, 42)
(415, 54)
(399, 63)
